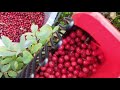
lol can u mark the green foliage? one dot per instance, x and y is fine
(14, 57)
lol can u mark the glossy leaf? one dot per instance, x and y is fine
(5, 68)
(6, 60)
(36, 47)
(27, 57)
(12, 73)
(34, 28)
(7, 42)
(1, 74)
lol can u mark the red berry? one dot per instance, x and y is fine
(54, 58)
(61, 47)
(46, 74)
(74, 63)
(72, 35)
(86, 62)
(67, 47)
(43, 69)
(79, 43)
(66, 57)
(37, 76)
(51, 64)
(67, 64)
(64, 76)
(91, 67)
(94, 53)
(83, 38)
(72, 41)
(60, 66)
(85, 70)
(77, 40)
(64, 42)
(80, 61)
(71, 69)
(64, 71)
(88, 52)
(81, 74)
(41, 73)
(61, 60)
(49, 70)
(70, 75)
(78, 49)
(78, 67)
(79, 33)
(41, 77)
(95, 65)
(76, 72)
(51, 76)
(68, 38)
(84, 46)
(57, 74)
(61, 52)
(72, 48)
(74, 76)
(77, 55)
(72, 59)
(56, 53)
(83, 55)
(89, 58)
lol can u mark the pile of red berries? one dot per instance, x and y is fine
(14, 24)
(76, 58)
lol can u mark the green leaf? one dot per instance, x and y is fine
(1, 66)
(36, 47)
(31, 38)
(16, 46)
(5, 68)
(7, 42)
(18, 52)
(27, 43)
(34, 28)
(2, 48)
(12, 73)
(45, 33)
(22, 42)
(28, 33)
(45, 27)
(7, 53)
(6, 60)
(14, 65)
(20, 66)
(27, 57)
(55, 29)
(1, 74)
(19, 59)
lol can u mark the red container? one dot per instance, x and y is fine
(107, 36)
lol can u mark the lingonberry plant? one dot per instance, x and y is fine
(14, 24)
(15, 56)
(80, 58)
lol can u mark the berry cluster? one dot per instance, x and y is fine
(75, 58)
(14, 24)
